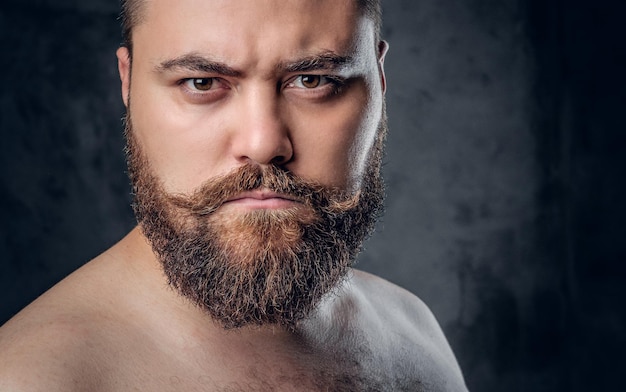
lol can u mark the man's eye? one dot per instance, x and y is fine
(310, 81)
(199, 84)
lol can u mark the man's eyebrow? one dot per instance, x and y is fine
(323, 61)
(195, 62)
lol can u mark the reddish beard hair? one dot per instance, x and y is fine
(259, 267)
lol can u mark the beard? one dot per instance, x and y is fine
(262, 266)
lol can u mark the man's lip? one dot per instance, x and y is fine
(261, 195)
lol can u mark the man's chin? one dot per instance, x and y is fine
(253, 236)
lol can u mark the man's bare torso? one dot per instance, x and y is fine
(115, 325)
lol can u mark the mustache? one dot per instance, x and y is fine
(207, 198)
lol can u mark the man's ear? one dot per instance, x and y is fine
(123, 66)
(383, 47)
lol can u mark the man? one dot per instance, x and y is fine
(254, 138)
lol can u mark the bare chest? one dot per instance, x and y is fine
(255, 373)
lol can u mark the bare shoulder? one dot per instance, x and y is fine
(43, 350)
(400, 308)
(397, 330)
(45, 346)
(390, 298)
(56, 342)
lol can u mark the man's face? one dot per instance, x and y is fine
(288, 93)
(192, 127)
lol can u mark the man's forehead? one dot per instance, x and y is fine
(304, 5)
(215, 10)
(240, 30)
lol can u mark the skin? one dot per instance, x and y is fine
(115, 325)
(200, 136)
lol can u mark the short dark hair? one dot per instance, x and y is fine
(131, 14)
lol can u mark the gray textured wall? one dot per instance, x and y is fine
(504, 171)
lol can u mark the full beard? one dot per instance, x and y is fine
(262, 266)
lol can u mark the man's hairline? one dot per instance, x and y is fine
(137, 16)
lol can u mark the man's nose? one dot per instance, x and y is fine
(261, 134)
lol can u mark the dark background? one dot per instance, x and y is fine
(505, 173)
